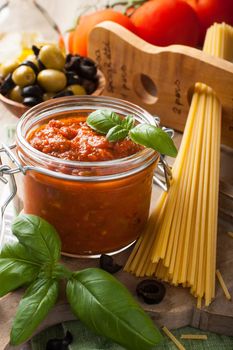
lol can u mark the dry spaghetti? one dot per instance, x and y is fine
(179, 243)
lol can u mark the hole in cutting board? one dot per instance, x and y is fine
(145, 88)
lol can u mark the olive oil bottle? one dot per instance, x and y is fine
(23, 23)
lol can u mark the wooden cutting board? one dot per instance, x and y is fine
(178, 309)
(161, 80)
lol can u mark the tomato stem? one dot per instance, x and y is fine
(128, 4)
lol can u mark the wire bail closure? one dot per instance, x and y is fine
(7, 177)
(164, 170)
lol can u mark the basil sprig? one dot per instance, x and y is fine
(116, 128)
(96, 297)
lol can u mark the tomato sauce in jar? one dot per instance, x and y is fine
(72, 139)
(96, 193)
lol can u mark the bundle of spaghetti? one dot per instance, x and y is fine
(179, 242)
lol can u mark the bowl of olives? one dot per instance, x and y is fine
(46, 74)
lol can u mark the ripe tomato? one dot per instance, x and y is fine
(210, 11)
(166, 22)
(70, 41)
(88, 22)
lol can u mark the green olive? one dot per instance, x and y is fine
(52, 57)
(48, 95)
(8, 67)
(15, 94)
(33, 59)
(23, 76)
(77, 89)
(51, 80)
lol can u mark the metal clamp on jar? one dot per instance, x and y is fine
(96, 207)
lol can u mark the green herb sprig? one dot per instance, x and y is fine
(97, 298)
(116, 128)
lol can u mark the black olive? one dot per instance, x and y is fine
(32, 91)
(35, 50)
(73, 78)
(41, 65)
(73, 64)
(151, 291)
(32, 101)
(60, 344)
(88, 62)
(107, 263)
(63, 93)
(7, 85)
(90, 85)
(86, 70)
(30, 64)
(68, 57)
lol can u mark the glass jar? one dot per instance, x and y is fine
(96, 207)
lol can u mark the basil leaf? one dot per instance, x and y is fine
(17, 268)
(102, 120)
(128, 122)
(37, 235)
(116, 133)
(39, 298)
(153, 137)
(107, 307)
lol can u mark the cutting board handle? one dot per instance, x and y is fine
(160, 79)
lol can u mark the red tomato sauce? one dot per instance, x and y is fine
(71, 139)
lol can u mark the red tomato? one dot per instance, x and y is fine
(70, 41)
(88, 22)
(210, 11)
(166, 22)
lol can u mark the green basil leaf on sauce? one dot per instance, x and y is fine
(116, 133)
(108, 308)
(128, 122)
(153, 137)
(116, 128)
(39, 298)
(102, 120)
(37, 235)
(17, 268)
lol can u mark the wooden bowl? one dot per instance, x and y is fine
(18, 109)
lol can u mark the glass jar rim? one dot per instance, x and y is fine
(49, 108)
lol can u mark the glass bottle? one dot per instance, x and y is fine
(23, 23)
